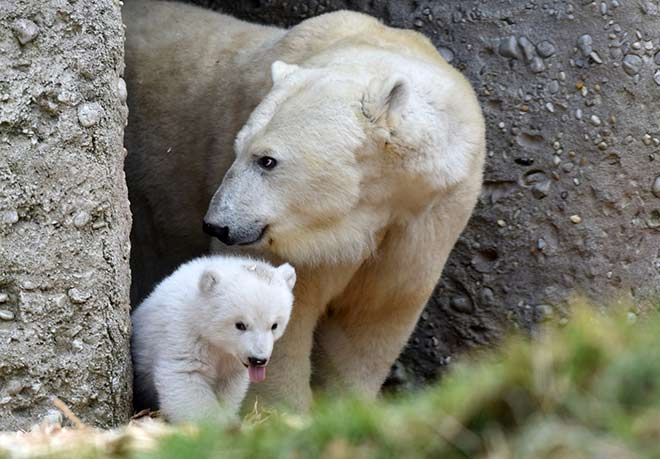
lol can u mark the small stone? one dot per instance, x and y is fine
(89, 114)
(25, 30)
(545, 312)
(656, 77)
(553, 86)
(418, 23)
(460, 304)
(537, 65)
(657, 58)
(3, 297)
(602, 145)
(632, 317)
(632, 64)
(81, 219)
(78, 296)
(637, 45)
(122, 92)
(545, 49)
(556, 160)
(52, 418)
(28, 285)
(509, 48)
(584, 43)
(595, 120)
(562, 76)
(501, 223)
(576, 181)
(646, 139)
(6, 315)
(487, 295)
(527, 48)
(549, 107)
(8, 217)
(540, 244)
(656, 187)
(596, 57)
(576, 219)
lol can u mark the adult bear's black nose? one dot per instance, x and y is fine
(255, 362)
(221, 232)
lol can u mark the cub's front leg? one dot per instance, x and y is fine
(185, 395)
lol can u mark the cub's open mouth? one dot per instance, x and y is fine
(257, 374)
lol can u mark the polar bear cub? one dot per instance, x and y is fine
(205, 332)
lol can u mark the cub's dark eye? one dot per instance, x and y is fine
(274, 327)
(266, 162)
(241, 326)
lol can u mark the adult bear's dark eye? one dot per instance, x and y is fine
(241, 326)
(266, 162)
(274, 327)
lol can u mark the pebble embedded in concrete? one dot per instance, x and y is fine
(576, 219)
(537, 65)
(509, 48)
(81, 219)
(52, 418)
(460, 304)
(545, 49)
(78, 296)
(122, 93)
(656, 77)
(8, 217)
(584, 43)
(528, 49)
(3, 297)
(25, 30)
(656, 187)
(6, 315)
(447, 54)
(632, 64)
(595, 120)
(89, 114)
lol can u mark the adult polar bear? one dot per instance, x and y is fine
(356, 154)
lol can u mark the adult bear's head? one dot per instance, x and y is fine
(333, 154)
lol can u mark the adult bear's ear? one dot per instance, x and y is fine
(288, 273)
(280, 70)
(209, 281)
(386, 100)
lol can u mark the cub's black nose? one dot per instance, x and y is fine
(221, 232)
(255, 362)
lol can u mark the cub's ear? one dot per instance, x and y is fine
(209, 281)
(280, 70)
(385, 100)
(288, 273)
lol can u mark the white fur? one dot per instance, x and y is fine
(380, 147)
(188, 355)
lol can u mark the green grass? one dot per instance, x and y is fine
(588, 389)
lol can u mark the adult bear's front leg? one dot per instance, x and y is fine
(354, 352)
(370, 323)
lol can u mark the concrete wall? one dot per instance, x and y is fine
(64, 218)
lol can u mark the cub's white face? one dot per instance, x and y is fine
(248, 312)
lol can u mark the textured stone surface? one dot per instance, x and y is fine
(573, 118)
(64, 218)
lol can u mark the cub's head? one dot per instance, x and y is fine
(247, 310)
(331, 155)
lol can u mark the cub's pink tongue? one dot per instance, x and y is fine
(257, 373)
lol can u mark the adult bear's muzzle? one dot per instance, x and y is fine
(235, 236)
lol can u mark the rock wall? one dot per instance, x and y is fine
(571, 203)
(64, 216)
